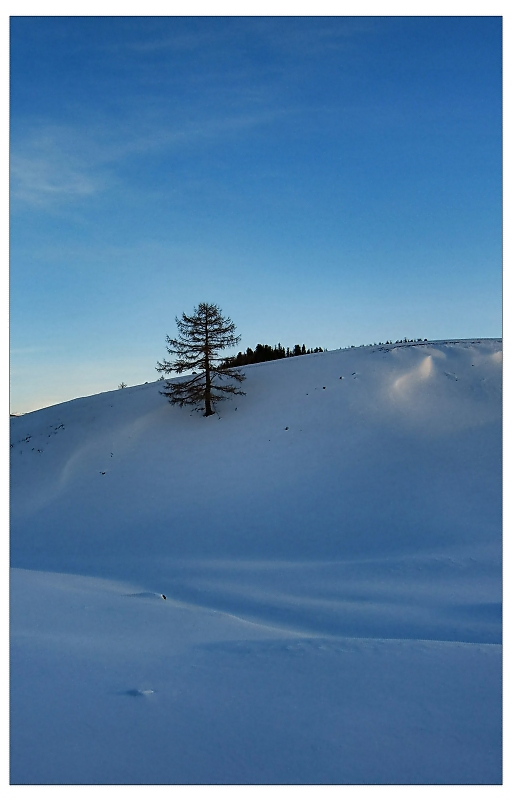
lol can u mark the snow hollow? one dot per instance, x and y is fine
(329, 550)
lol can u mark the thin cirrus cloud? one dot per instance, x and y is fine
(280, 35)
(39, 180)
(50, 166)
(64, 163)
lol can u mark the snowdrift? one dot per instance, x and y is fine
(330, 549)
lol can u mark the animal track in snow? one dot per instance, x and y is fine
(149, 595)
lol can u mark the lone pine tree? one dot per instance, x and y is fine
(201, 336)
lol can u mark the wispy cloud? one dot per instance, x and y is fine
(310, 36)
(50, 165)
(313, 36)
(55, 164)
(36, 179)
(177, 42)
(229, 77)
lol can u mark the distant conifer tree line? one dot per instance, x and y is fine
(265, 352)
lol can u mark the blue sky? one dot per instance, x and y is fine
(329, 180)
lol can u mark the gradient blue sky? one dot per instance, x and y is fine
(329, 180)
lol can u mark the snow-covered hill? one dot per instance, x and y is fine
(330, 551)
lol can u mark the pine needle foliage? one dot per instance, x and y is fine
(201, 336)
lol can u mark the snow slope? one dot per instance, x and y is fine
(330, 551)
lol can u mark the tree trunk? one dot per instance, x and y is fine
(208, 411)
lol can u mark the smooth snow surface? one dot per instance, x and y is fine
(329, 547)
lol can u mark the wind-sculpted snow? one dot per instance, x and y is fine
(346, 513)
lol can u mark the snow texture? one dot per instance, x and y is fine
(329, 552)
